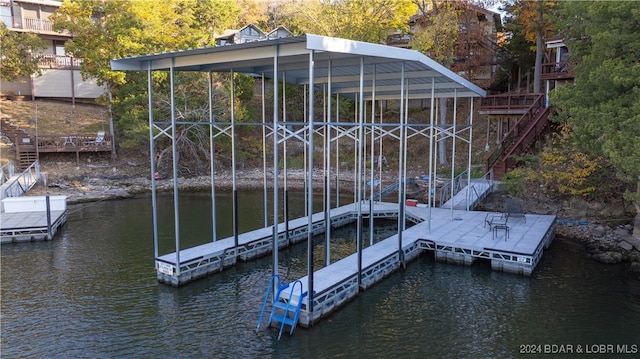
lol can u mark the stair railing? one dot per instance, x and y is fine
(512, 135)
(528, 134)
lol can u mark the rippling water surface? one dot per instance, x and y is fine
(92, 293)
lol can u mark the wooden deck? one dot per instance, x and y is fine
(27, 148)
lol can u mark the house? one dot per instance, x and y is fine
(279, 33)
(478, 30)
(557, 68)
(250, 33)
(60, 77)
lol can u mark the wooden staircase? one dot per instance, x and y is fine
(18, 137)
(530, 126)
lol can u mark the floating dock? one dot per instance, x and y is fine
(30, 218)
(454, 235)
(212, 257)
(460, 240)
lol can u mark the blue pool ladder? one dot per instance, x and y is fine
(274, 278)
(283, 311)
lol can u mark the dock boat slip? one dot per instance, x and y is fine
(373, 81)
(460, 239)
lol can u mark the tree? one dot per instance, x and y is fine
(19, 53)
(102, 30)
(517, 52)
(184, 24)
(437, 38)
(255, 12)
(531, 20)
(603, 106)
(362, 20)
(451, 33)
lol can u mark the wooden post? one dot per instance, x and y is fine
(17, 144)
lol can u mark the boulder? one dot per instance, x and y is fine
(625, 245)
(633, 241)
(621, 233)
(599, 231)
(608, 257)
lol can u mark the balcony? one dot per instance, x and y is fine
(41, 26)
(558, 70)
(59, 62)
(399, 40)
(508, 104)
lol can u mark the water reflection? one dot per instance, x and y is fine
(92, 293)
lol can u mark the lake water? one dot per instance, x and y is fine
(92, 293)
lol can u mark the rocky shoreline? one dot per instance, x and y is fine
(605, 241)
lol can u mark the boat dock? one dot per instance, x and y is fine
(31, 218)
(212, 257)
(462, 240)
(454, 236)
(363, 74)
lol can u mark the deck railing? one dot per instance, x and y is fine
(38, 24)
(59, 62)
(31, 24)
(72, 141)
(558, 70)
(509, 102)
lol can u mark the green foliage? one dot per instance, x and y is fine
(102, 30)
(440, 32)
(519, 50)
(566, 170)
(563, 171)
(244, 108)
(183, 24)
(603, 107)
(19, 53)
(363, 20)
(527, 22)
(516, 179)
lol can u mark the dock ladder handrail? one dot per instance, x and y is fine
(291, 304)
(273, 278)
